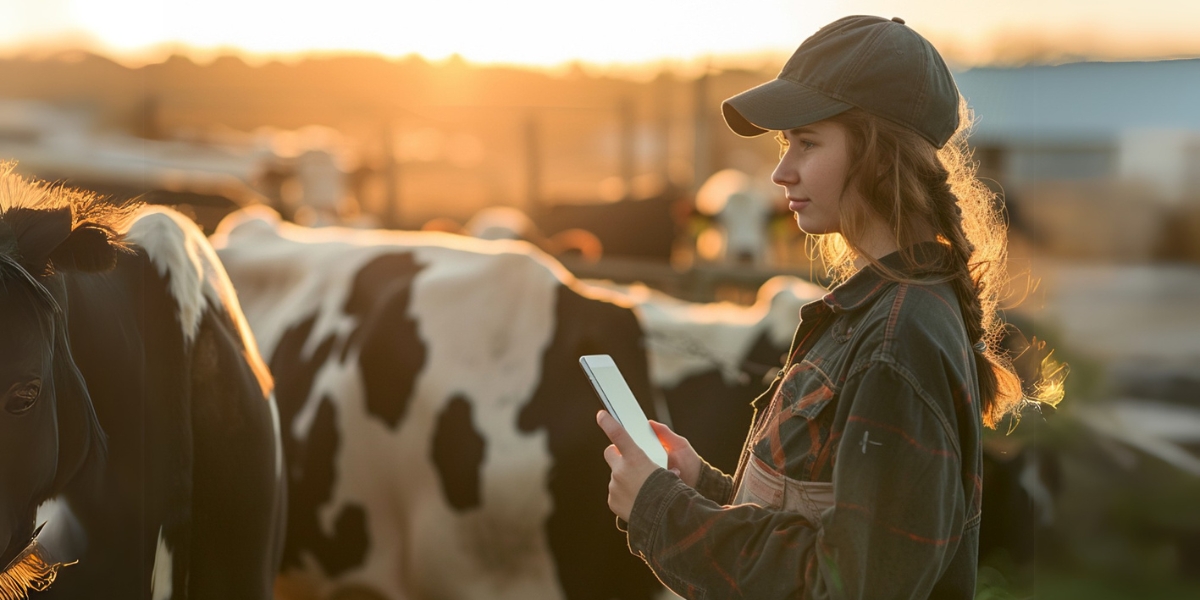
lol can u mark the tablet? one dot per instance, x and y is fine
(619, 402)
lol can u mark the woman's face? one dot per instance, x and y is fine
(812, 172)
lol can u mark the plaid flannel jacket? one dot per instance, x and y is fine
(879, 397)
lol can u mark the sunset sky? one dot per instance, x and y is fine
(551, 32)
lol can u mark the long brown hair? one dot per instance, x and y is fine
(921, 191)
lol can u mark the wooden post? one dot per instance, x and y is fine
(663, 100)
(533, 164)
(391, 184)
(627, 144)
(702, 158)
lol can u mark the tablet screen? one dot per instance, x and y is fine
(620, 402)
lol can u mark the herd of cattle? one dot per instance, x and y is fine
(417, 426)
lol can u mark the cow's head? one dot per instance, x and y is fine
(48, 428)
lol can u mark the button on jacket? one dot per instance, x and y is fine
(861, 474)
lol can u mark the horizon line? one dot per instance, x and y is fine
(765, 59)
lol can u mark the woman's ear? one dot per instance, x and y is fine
(89, 248)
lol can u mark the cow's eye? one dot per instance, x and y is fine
(22, 397)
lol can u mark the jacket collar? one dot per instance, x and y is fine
(862, 287)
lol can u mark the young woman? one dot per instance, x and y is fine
(860, 477)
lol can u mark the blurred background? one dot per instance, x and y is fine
(595, 132)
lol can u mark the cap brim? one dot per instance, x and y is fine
(778, 105)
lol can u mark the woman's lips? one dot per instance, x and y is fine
(795, 205)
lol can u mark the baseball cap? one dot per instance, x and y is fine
(879, 65)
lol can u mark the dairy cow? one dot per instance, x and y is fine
(440, 436)
(137, 423)
(439, 433)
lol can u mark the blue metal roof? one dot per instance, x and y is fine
(1082, 102)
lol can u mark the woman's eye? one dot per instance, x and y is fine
(23, 398)
(807, 145)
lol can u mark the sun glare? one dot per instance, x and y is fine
(552, 33)
(529, 32)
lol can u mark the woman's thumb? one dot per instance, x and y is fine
(664, 432)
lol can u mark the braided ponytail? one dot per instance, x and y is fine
(925, 193)
(998, 384)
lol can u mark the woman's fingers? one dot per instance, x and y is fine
(618, 436)
(680, 456)
(611, 456)
(669, 438)
(629, 464)
(677, 446)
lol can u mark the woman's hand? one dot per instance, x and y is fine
(681, 458)
(630, 466)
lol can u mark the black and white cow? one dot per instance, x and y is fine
(137, 413)
(440, 435)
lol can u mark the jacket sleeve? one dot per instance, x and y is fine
(894, 527)
(714, 484)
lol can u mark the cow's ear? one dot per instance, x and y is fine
(46, 241)
(89, 248)
(38, 233)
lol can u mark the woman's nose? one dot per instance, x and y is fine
(784, 174)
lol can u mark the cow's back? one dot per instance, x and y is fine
(190, 495)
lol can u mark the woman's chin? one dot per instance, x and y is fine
(811, 228)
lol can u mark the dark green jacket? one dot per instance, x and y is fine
(879, 397)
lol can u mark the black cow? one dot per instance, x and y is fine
(641, 228)
(136, 410)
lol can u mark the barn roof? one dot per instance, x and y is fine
(1082, 102)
